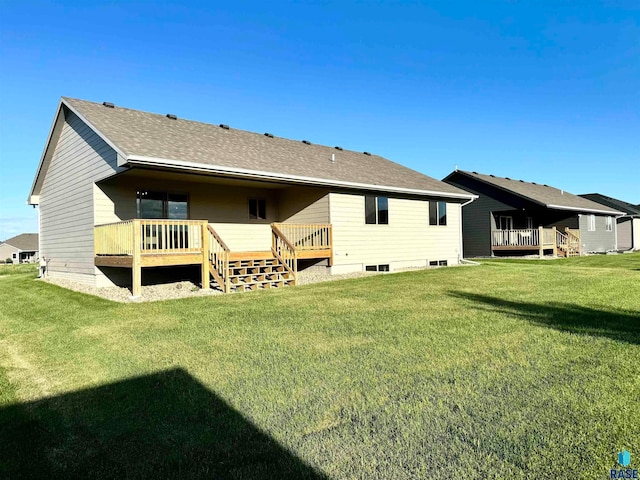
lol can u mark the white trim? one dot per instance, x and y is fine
(258, 174)
(577, 209)
(461, 251)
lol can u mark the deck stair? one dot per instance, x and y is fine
(253, 274)
(568, 243)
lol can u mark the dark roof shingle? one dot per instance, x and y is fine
(143, 134)
(540, 193)
(611, 202)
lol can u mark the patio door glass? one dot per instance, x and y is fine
(506, 223)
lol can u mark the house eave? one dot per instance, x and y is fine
(279, 177)
(588, 210)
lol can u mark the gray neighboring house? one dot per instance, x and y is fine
(22, 248)
(517, 217)
(628, 225)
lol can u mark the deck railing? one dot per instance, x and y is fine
(526, 237)
(307, 236)
(151, 237)
(219, 259)
(284, 250)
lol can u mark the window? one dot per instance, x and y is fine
(376, 210)
(529, 222)
(437, 213)
(257, 208)
(14, 255)
(438, 263)
(174, 206)
(377, 268)
(609, 224)
(592, 223)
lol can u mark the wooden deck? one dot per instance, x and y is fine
(137, 244)
(540, 239)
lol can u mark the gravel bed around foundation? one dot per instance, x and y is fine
(150, 293)
(184, 289)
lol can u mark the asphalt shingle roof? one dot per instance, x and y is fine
(621, 205)
(25, 241)
(152, 135)
(540, 193)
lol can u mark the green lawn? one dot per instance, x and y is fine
(506, 370)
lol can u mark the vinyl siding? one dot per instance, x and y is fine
(624, 227)
(636, 234)
(79, 159)
(304, 205)
(407, 241)
(7, 251)
(599, 240)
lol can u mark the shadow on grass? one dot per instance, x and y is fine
(165, 425)
(618, 325)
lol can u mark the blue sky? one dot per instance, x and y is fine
(545, 91)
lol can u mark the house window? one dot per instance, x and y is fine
(592, 223)
(609, 224)
(437, 213)
(438, 263)
(14, 255)
(529, 222)
(257, 209)
(174, 206)
(376, 210)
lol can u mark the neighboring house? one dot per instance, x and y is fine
(517, 217)
(22, 248)
(628, 225)
(120, 190)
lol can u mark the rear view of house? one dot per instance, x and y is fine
(22, 248)
(518, 217)
(122, 192)
(627, 225)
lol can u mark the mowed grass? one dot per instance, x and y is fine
(516, 370)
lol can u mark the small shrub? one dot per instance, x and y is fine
(8, 260)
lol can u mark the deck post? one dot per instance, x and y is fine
(541, 240)
(205, 254)
(555, 242)
(331, 245)
(136, 268)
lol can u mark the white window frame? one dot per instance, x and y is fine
(609, 227)
(529, 223)
(508, 221)
(592, 223)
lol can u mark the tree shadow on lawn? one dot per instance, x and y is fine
(164, 425)
(619, 325)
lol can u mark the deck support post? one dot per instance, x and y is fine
(555, 242)
(136, 268)
(541, 240)
(205, 255)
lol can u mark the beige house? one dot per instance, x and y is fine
(22, 248)
(122, 192)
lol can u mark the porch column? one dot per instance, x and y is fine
(555, 242)
(205, 254)
(541, 240)
(136, 268)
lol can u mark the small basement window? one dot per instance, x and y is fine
(438, 263)
(377, 268)
(257, 208)
(442, 263)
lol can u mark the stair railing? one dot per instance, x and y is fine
(284, 251)
(573, 240)
(219, 259)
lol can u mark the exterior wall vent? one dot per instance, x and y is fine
(172, 116)
(226, 127)
(108, 104)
